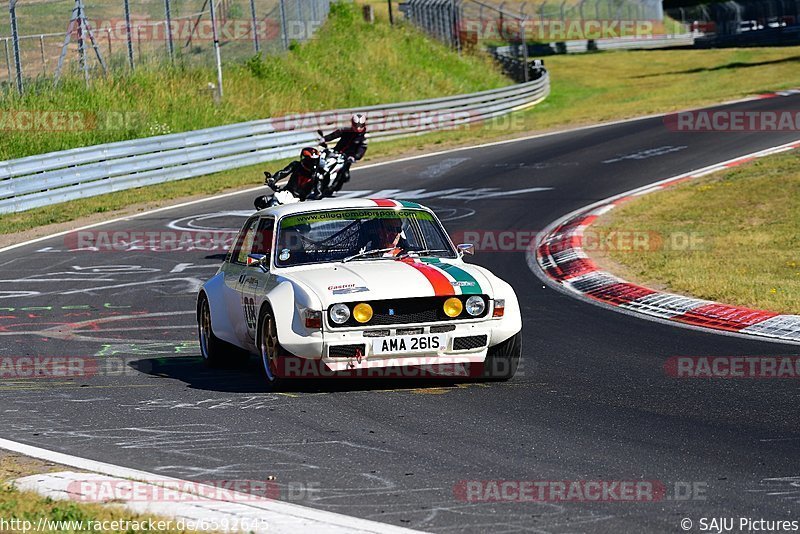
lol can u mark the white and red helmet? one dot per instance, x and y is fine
(359, 122)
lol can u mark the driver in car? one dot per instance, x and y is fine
(385, 234)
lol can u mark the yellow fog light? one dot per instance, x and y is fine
(453, 307)
(362, 312)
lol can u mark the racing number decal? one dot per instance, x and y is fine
(249, 306)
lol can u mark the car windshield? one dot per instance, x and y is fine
(353, 235)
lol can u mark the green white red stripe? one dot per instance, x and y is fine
(445, 278)
(442, 286)
(461, 279)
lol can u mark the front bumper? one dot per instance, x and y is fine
(466, 342)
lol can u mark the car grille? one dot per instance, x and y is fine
(346, 351)
(469, 342)
(408, 311)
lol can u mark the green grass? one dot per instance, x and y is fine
(747, 220)
(30, 506)
(591, 88)
(349, 63)
(53, 16)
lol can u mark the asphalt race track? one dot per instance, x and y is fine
(591, 401)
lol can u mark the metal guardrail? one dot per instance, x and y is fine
(617, 43)
(56, 177)
(631, 43)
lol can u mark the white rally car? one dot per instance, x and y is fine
(335, 286)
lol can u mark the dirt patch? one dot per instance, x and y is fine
(13, 465)
(602, 259)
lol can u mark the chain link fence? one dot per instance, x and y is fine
(740, 17)
(91, 37)
(516, 30)
(465, 22)
(544, 27)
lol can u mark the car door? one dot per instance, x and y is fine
(234, 274)
(257, 277)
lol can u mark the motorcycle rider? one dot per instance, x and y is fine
(352, 143)
(303, 176)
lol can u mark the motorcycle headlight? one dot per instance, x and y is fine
(475, 306)
(339, 313)
(453, 307)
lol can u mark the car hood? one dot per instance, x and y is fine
(391, 279)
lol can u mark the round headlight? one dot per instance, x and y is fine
(340, 313)
(453, 307)
(362, 312)
(475, 305)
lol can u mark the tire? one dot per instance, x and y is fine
(215, 352)
(502, 360)
(269, 347)
(338, 183)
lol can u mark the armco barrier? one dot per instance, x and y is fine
(46, 179)
(632, 43)
(616, 43)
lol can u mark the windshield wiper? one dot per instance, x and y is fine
(367, 253)
(423, 251)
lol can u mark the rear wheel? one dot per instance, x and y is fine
(215, 352)
(502, 360)
(269, 347)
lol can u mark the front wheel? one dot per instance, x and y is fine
(269, 348)
(502, 360)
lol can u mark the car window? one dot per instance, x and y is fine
(337, 234)
(244, 244)
(262, 243)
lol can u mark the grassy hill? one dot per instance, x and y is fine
(348, 63)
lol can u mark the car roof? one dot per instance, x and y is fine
(338, 203)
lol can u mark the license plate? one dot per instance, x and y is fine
(421, 343)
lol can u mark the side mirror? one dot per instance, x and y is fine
(466, 248)
(258, 260)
